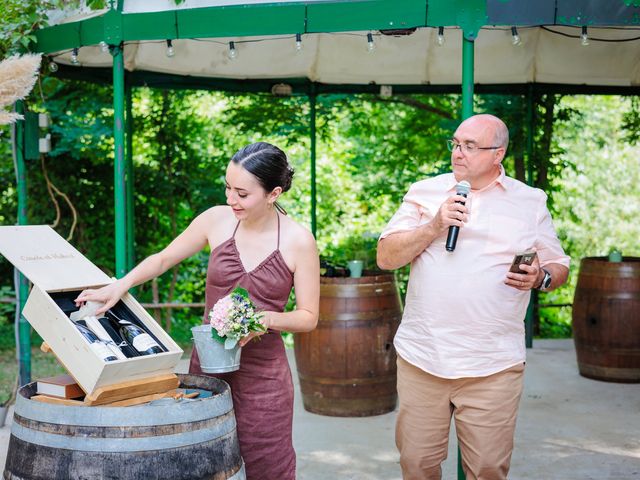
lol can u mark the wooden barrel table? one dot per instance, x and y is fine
(347, 365)
(606, 319)
(169, 440)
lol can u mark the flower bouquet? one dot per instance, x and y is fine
(234, 317)
(231, 318)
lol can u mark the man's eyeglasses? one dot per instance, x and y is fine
(468, 148)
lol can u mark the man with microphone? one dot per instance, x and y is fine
(460, 345)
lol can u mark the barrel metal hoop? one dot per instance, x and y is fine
(91, 431)
(240, 474)
(610, 373)
(145, 415)
(362, 290)
(81, 443)
(600, 295)
(383, 315)
(347, 381)
(607, 350)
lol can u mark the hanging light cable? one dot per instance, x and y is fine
(440, 37)
(170, 51)
(298, 42)
(515, 38)
(371, 47)
(233, 54)
(584, 37)
(74, 56)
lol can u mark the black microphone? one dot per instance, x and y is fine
(462, 188)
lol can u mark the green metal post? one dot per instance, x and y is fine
(468, 44)
(120, 200)
(467, 76)
(528, 320)
(312, 120)
(129, 179)
(24, 329)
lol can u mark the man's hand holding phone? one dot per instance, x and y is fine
(524, 272)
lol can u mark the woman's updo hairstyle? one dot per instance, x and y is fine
(267, 163)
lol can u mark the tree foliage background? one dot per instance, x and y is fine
(370, 150)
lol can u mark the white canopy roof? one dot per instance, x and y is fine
(543, 57)
(551, 54)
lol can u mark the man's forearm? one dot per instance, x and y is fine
(399, 249)
(559, 274)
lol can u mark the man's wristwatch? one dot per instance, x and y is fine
(546, 281)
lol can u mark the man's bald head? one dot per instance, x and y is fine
(500, 130)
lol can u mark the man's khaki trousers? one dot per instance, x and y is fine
(484, 409)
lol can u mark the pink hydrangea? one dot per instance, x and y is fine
(219, 315)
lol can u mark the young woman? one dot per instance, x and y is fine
(256, 246)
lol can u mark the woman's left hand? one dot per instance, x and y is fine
(265, 321)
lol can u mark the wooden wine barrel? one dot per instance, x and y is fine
(606, 319)
(172, 440)
(347, 365)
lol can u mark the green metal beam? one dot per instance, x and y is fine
(467, 76)
(235, 21)
(129, 184)
(467, 111)
(312, 133)
(469, 15)
(331, 16)
(24, 329)
(533, 299)
(119, 181)
(366, 15)
(150, 26)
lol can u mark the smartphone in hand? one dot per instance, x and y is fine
(519, 258)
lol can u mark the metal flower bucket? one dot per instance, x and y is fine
(214, 358)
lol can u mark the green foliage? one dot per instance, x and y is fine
(19, 20)
(369, 151)
(631, 122)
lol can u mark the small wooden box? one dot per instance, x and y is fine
(54, 266)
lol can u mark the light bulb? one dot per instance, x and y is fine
(233, 54)
(440, 37)
(515, 38)
(53, 66)
(370, 45)
(170, 51)
(104, 47)
(74, 56)
(584, 37)
(298, 42)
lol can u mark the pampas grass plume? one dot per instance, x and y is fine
(18, 74)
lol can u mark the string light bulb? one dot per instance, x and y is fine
(584, 37)
(170, 51)
(233, 53)
(515, 38)
(53, 66)
(298, 42)
(371, 47)
(104, 47)
(74, 56)
(440, 37)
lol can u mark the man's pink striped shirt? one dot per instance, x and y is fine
(460, 319)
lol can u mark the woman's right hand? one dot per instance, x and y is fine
(107, 295)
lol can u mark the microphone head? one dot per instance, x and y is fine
(463, 188)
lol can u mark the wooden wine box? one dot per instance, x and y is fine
(59, 273)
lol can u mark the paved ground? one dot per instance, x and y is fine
(569, 428)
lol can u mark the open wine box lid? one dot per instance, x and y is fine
(59, 273)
